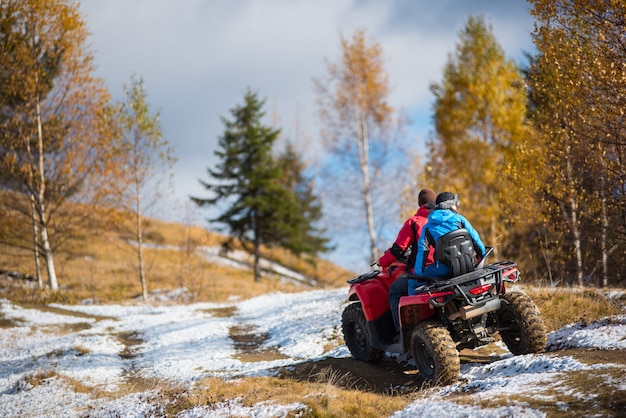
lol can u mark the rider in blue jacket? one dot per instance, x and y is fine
(441, 220)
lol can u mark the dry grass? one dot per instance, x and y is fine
(324, 394)
(37, 378)
(100, 264)
(563, 306)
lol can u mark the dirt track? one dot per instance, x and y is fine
(391, 377)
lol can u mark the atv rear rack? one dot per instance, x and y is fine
(440, 284)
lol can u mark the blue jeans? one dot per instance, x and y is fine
(397, 289)
(413, 284)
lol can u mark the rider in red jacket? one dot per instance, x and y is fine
(405, 249)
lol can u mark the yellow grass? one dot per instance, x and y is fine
(323, 397)
(562, 306)
(100, 263)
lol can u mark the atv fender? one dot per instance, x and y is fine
(415, 308)
(373, 296)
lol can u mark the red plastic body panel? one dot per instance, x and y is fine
(373, 293)
(416, 308)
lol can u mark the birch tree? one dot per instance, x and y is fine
(580, 76)
(148, 165)
(358, 123)
(50, 111)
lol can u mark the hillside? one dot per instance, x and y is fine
(99, 264)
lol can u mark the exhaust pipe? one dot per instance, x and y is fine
(467, 312)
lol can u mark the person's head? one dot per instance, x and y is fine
(447, 200)
(426, 196)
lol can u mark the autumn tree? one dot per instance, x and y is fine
(579, 80)
(480, 124)
(50, 109)
(261, 202)
(147, 167)
(358, 125)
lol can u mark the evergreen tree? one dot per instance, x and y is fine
(261, 209)
(302, 235)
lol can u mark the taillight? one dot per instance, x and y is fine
(481, 289)
(511, 275)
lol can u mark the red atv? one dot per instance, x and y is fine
(446, 316)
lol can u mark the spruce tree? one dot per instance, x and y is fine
(260, 210)
(303, 236)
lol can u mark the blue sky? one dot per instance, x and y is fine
(198, 57)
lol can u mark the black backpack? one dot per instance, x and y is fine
(455, 250)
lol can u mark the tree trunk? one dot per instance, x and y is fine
(33, 214)
(142, 274)
(36, 242)
(579, 256)
(363, 144)
(572, 219)
(43, 217)
(605, 228)
(545, 252)
(257, 258)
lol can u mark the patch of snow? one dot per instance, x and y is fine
(608, 334)
(434, 408)
(234, 408)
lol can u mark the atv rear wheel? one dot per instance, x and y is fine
(355, 334)
(435, 353)
(520, 324)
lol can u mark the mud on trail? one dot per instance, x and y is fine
(385, 377)
(393, 377)
(390, 376)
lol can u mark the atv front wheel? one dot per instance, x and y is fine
(355, 334)
(435, 353)
(520, 324)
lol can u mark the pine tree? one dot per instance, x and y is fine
(303, 237)
(247, 179)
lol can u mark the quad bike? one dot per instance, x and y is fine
(445, 316)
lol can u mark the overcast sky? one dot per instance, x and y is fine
(198, 57)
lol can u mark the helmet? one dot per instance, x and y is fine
(446, 200)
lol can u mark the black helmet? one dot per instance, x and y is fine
(446, 200)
